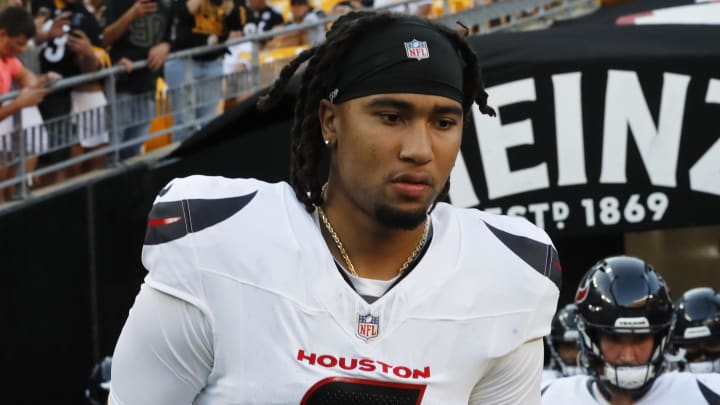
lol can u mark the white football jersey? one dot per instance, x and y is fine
(671, 388)
(287, 327)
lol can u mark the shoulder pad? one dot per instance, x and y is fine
(178, 210)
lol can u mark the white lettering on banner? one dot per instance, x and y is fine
(569, 127)
(705, 173)
(608, 210)
(632, 212)
(626, 108)
(627, 119)
(494, 140)
(559, 212)
(538, 211)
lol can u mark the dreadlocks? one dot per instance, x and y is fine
(306, 138)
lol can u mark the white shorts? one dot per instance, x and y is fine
(239, 58)
(88, 115)
(34, 132)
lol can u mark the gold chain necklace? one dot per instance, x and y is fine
(346, 257)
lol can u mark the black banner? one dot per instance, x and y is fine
(599, 129)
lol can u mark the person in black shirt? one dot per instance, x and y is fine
(73, 46)
(198, 23)
(137, 30)
(71, 33)
(256, 17)
(260, 17)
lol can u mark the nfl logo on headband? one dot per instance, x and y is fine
(417, 49)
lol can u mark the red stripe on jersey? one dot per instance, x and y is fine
(163, 221)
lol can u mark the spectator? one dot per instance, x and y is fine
(16, 28)
(44, 11)
(199, 23)
(99, 9)
(420, 8)
(137, 30)
(302, 12)
(15, 31)
(255, 17)
(346, 6)
(73, 46)
(260, 17)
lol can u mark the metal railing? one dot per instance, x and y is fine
(118, 114)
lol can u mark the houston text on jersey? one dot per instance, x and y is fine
(368, 365)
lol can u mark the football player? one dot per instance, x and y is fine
(366, 290)
(697, 330)
(624, 318)
(563, 345)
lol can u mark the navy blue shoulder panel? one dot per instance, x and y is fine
(174, 219)
(540, 256)
(712, 397)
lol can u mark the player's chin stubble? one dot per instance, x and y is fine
(394, 218)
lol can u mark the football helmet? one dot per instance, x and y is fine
(563, 331)
(697, 325)
(623, 295)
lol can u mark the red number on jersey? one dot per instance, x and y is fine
(357, 391)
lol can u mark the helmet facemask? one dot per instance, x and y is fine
(630, 379)
(708, 366)
(703, 358)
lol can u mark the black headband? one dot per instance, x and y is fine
(405, 57)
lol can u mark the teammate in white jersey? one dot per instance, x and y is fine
(625, 317)
(563, 345)
(697, 330)
(366, 291)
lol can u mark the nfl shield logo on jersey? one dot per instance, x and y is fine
(367, 326)
(417, 49)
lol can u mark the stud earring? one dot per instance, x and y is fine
(327, 142)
